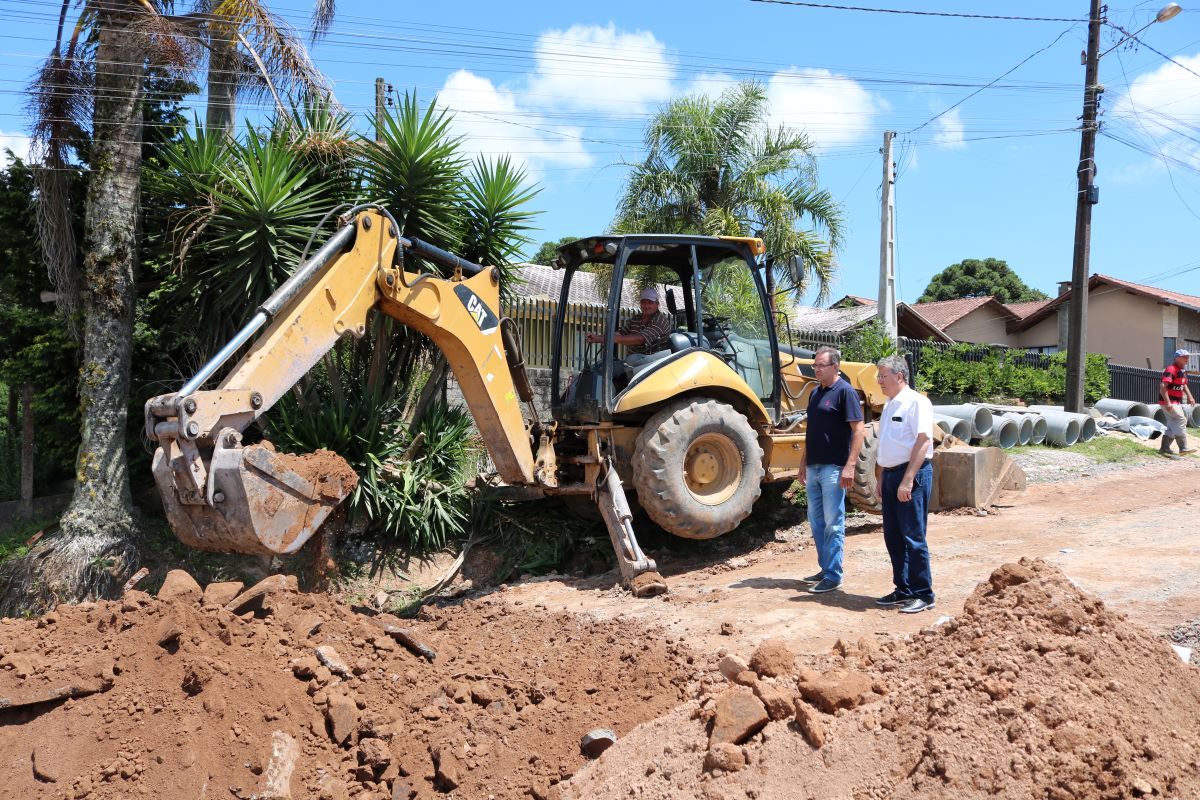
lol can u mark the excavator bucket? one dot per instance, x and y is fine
(257, 501)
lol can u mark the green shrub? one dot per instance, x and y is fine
(985, 372)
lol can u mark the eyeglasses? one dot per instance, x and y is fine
(821, 366)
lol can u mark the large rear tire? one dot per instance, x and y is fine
(697, 468)
(862, 491)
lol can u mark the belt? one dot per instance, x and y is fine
(903, 466)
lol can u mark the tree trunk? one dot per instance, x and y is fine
(222, 78)
(13, 423)
(27, 452)
(96, 551)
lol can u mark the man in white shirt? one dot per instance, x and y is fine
(905, 461)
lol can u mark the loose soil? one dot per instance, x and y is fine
(1036, 690)
(189, 699)
(1050, 676)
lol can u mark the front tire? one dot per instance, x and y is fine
(862, 491)
(698, 468)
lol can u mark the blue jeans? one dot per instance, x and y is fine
(904, 532)
(827, 516)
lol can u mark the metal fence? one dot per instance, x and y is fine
(1134, 383)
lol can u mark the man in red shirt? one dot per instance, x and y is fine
(1172, 391)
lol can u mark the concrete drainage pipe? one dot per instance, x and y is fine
(1039, 429)
(1005, 432)
(1024, 423)
(978, 416)
(958, 428)
(1123, 408)
(1193, 413)
(1062, 430)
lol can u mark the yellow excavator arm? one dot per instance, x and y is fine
(219, 495)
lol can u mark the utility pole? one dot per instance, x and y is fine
(1086, 196)
(380, 100)
(887, 244)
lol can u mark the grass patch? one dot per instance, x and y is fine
(1111, 449)
(12, 543)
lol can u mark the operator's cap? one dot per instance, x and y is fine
(650, 293)
(1178, 353)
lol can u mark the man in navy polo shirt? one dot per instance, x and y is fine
(833, 437)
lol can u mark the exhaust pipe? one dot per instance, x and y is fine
(978, 416)
(958, 428)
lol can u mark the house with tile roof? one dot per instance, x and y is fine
(842, 318)
(1133, 324)
(979, 320)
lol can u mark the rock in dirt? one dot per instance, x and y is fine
(374, 753)
(179, 585)
(731, 665)
(330, 658)
(725, 757)
(253, 599)
(776, 699)
(834, 690)
(47, 764)
(342, 715)
(596, 741)
(809, 724)
(280, 766)
(773, 659)
(447, 770)
(222, 593)
(167, 633)
(737, 716)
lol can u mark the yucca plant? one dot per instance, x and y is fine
(376, 400)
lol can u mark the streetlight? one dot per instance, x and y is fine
(1087, 196)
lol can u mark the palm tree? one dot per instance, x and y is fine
(88, 97)
(716, 167)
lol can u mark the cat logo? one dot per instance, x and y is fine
(484, 317)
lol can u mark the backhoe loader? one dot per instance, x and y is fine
(695, 429)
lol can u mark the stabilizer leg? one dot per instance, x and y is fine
(638, 571)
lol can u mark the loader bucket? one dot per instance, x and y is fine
(259, 502)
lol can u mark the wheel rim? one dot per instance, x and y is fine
(712, 469)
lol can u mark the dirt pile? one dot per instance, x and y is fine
(1036, 690)
(273, 693)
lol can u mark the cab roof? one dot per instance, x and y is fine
(668, 250)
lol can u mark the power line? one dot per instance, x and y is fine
(1020, 64)
(959, 15)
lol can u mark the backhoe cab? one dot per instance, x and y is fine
(696, 428)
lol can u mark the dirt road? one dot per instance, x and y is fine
(1129, 536)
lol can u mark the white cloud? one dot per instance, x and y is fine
(16, 142)
(709, 84)
(494, 123)
(594, 67)
(1160, 105)
(950, 131)
(832, 109)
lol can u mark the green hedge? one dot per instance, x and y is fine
(1002, 374)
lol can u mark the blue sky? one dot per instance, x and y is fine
(568, 87)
